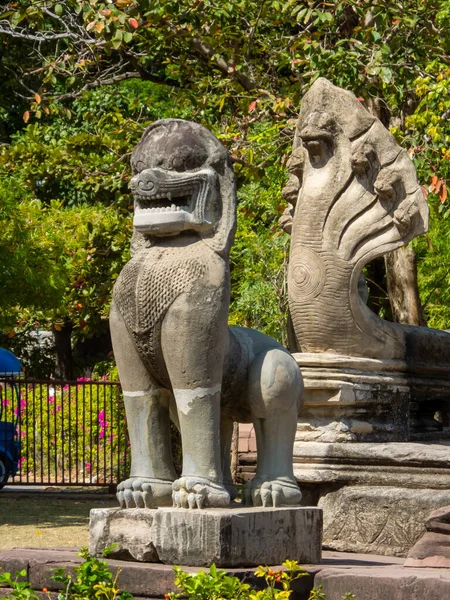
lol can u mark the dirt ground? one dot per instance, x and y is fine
(43, 521)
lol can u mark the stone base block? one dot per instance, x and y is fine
(354, 399)
(230, 537)
(415, 465)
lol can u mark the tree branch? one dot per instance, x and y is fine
(6, 29)
(98, 83)
(227, 67)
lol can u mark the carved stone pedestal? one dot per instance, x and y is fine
(356, 453)
(352, 399)
(349, 399)
(228, 537)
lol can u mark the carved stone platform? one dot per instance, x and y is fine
(375, 496)
(228, 537)
(372, 449)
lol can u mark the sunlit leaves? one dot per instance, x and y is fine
(241, 69)
(66, 231)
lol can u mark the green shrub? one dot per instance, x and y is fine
(218, 585)
(92, 579)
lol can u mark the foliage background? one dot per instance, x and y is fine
(82, 79)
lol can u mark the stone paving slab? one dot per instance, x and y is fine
(385, 583)
(369, 577)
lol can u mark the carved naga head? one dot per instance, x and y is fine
(349, 180)
(183, 181)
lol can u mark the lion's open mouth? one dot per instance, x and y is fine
(168, 202)
(164, 203)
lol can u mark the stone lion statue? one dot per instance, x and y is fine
(176, 355)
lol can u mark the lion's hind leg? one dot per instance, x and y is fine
(147, 410)
(275, 390)
(226, 436)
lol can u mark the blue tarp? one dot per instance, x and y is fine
(9, 363)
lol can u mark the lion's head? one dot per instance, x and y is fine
(183, 181)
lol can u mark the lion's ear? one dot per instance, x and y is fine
(219, 159)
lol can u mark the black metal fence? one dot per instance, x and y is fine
(63, 433)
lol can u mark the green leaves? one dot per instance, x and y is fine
(241, 69)
(217, 585)
(92, 580)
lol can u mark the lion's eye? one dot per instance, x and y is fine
(177, 163)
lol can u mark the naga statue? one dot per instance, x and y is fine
(354, 196)
(177, 358)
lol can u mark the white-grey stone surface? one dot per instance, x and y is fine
(177, 358)
(229, 537)
(128, 530)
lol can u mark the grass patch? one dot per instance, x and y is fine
(45, 522)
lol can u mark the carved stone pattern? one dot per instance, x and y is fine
(378, 519)
(124, 290)
(314, 298)
(308, 272)
(153, 287)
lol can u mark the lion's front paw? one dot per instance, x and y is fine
(199, 492)
(275, 492)
(144, 492)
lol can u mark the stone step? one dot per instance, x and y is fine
(369, 577)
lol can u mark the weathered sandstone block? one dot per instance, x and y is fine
(228, 537)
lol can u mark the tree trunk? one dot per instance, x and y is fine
(401, 277)
(63, 345)
(401, 264)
